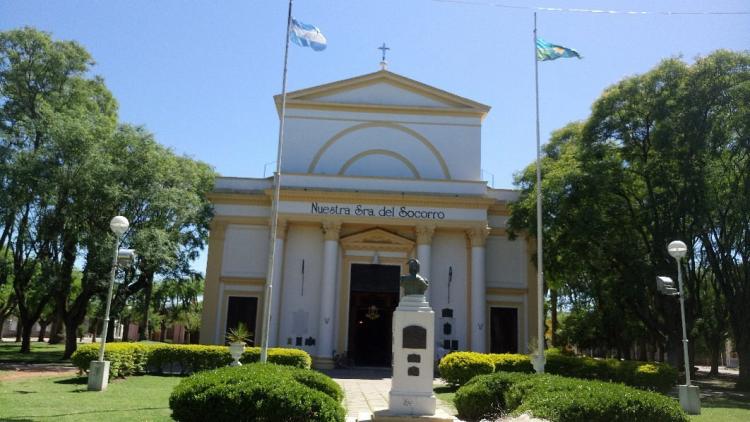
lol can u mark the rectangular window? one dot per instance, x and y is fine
(504, 330)
(243, 310)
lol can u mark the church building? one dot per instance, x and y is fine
(376, 169)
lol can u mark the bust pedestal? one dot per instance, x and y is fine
(413, 353)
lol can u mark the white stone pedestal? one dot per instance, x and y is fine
(690, 399)
(98, 375)
(413, 353)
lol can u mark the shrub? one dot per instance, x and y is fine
(512, 362)
(289, 357)
(138, 358)
(257, 392)
(186, 359)
(567, 399)
(457, 368)
(649, 376)
(484, 396)
(125, 358)
(562, 399)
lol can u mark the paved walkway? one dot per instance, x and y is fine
(366, 390)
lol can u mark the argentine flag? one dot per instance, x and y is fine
(306, 35)
(548, 51)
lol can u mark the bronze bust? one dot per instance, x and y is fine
(413, 283)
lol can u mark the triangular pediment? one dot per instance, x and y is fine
(377, 239)
(382, 90)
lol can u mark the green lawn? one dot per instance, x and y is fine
(40, 353)
(141, 398)
(724, 410)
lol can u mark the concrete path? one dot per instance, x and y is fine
(366, 390)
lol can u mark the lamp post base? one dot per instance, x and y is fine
(690, 399)
(98, 375)
(538, 361)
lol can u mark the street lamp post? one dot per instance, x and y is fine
(689, 394)
(99, 369)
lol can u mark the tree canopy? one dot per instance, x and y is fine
(67, 166)
(663, 156)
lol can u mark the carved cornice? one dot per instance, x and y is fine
(424, 234)
(478, 234)
(331, 229)
(377, 240)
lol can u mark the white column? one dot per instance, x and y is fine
(424, 251)
(273, 337)
(331, 230)
(478, 236)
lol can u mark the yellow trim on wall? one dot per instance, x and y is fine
(405, 161)
(242, 220)
(239, 198)
(211, 289)
(246, 281)
(335, 138)
(396, 198)
(506, 291)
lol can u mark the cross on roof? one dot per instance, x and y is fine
(383, 48)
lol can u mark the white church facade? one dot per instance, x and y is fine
(376, 169)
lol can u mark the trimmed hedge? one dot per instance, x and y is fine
(512, 362)
(458, 368)
(483, 398)
(139, 358)
(557, 398)
(257, 392)
(645, 375)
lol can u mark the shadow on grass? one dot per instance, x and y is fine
(445, 389)
(40, 353)
(721, 402)
(36, 418)
(74, 380)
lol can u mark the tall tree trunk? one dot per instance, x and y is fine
(26, 336)
(55, 330)
(126, 329)
(553, 309)
(18, 331)
(111, 330)
(143, 331)
(71, 343)
(42, 331)
(743, 353)
(162, 331)
(715, 358)
(2, 326)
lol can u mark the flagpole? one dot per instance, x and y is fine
(539, 259)
(275, 205)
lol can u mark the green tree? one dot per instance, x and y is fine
(663, 156)
(66, 169)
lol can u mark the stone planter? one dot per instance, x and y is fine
(236, 350)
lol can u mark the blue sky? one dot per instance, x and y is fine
(201, 74)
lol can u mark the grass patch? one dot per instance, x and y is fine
(144, 398)
(40, 353)
(445, 393)
(723, 409)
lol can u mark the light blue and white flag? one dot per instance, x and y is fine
(306, 35)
